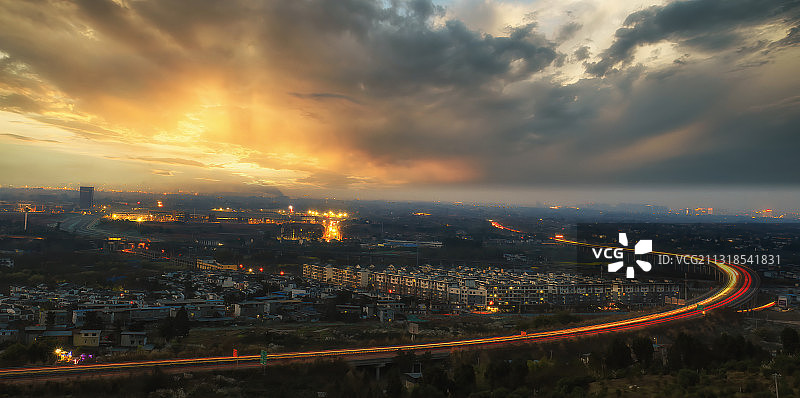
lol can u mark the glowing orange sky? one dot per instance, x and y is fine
(353, 96)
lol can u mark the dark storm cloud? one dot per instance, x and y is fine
(403, 49)
(458, 57)
(341, 44)
(672, 129)
(324, 96)
(330, 180)
(757, 150)
(402, 63)
(705, 24)
(404, 94)
(78, 70)
(582, 53)
(567, 31)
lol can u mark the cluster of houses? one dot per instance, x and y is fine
(108, 320)
(77, 316)
(493, 289)
(82, 316)
(775, 272)
(112, 320)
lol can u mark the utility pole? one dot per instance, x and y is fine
(686, 286)
(26, 210)
(775, 376)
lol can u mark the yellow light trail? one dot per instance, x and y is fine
(763, 307)
(736, 275)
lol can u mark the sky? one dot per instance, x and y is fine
(670, 102)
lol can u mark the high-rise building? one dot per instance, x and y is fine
(87, 198)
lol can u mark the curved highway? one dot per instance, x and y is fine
(740, 283)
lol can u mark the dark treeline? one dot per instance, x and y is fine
(685, 362)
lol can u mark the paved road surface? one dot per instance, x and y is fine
(738, 285)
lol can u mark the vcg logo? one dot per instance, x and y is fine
(642, 247)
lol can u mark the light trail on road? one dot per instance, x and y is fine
(739, 282)
(759, 308)
(501, 226)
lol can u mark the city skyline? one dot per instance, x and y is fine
(672, 103)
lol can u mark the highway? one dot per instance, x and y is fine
(87, 225)
(739, 284)
(82, 224)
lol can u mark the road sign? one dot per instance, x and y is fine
(235, 352)
(263, 357)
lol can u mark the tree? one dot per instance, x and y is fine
(426, 391)
(93, 321)
(688, 352)
(497, 372)
(188, 288)
(435, 376)
(182, 322)
(687, 378)
(167, 329)
(405, 361)
(574, 385)
(18, 353)
(643, 349)
(790, 341)
(156, 380)
(736, 348)
(394, 385)
(519, 371)
(175, 327)
(618, 355)
(50, 318)
(463, 379)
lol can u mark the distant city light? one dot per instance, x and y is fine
(67, 357)
(328, 214)
(332, 231)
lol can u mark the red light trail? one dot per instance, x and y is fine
(501, 226)
(739, 282)
(763, 307)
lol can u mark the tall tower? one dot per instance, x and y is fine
(87, 198)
